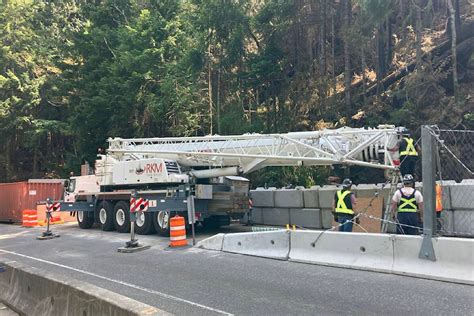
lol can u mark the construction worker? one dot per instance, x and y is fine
(408, 151)
(344, 203)
(439, 207)
(407, 202)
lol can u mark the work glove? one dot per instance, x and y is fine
(357, 220)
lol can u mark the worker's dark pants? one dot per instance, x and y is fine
(439, 223)
(407, 165)
(346, 220)
(408, 218)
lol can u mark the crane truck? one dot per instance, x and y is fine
(163, 172)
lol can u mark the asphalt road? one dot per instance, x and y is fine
(200, 282)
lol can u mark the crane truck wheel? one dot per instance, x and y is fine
(105, 212)
(161, 221)
(144, 223)
(85, 219)
(122, 217)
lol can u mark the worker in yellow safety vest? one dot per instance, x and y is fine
(344, 203)
(407, 202)
(408, 152)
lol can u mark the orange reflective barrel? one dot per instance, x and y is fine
(30, 218)
(178, 232)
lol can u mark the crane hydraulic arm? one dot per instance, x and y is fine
(240, 154)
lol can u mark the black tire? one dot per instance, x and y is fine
(85, 219)
(161, 222)
(105, 214)
(144, 223)
(122, 217)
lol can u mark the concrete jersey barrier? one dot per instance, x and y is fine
(31, 291)
(348, 250)
(395, 254)
(454, 259)
(271, 244)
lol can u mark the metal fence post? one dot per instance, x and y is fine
(428, 159)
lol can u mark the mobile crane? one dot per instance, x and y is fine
(165, 171)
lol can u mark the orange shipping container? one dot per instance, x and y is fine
(18, 196)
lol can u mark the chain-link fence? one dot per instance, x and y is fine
(455, 182)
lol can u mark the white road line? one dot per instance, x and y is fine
(137, 287)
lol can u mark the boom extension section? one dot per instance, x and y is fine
(240, 154)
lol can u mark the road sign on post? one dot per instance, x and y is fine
(136, 205)
(428, 158)
(50, 207)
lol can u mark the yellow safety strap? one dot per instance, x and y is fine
(408, 205)
(410, 150)
(341, 206)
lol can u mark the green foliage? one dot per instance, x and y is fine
(73, 73)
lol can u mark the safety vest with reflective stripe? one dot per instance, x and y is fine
(344, 204)
(407, 203)
(410, 149)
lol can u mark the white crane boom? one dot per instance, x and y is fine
(239, 154)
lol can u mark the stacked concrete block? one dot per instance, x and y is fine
(311, 197)
(256, 215)
(365, 190)
(463, 224)
(306, 217)
(263, 198)
(326, 196)
(289, 198)
(447, 223)
(276, 216)
(462, 196)
(326, 218)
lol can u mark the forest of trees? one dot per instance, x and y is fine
(73, 73)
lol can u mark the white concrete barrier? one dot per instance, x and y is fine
(32, 291)
(454, 259)
(349, 250)
(271, 244)
(373, 252)
(212, 243)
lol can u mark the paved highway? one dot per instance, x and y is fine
(200, 282)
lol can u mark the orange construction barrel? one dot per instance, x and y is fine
(178, 232)
(30, 218)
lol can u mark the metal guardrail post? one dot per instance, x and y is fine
(428, 156)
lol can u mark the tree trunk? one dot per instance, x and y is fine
(333, 53)
(418, 34)
(364, 78)
(403, 18)
(218, 103)
(379, 69)
(209, 81)
(8, 157)
(388, 60)
(457, 16)
(347, 61)
(323, 40)
(35, 162)
(452, 18)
